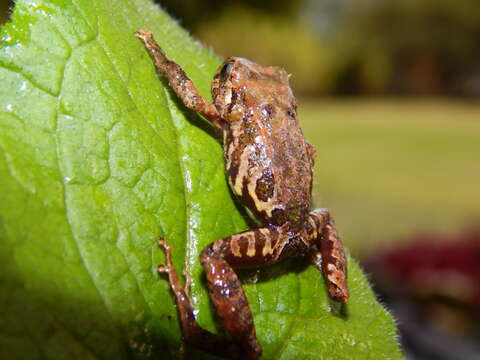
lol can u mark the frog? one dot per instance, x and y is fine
(269, 167)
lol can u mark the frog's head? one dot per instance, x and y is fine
(240, 83)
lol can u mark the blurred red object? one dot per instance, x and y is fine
(433, 267)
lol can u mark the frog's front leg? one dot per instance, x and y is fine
(178, 80)
(330, 257)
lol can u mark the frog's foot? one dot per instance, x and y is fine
(168, 257)
(330, 258)
(173, 279)
(191, 331)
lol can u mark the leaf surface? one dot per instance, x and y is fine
(98, 159)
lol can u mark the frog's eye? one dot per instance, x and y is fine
(225, 72)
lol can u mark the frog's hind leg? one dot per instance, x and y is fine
(252, 248)
(330, 257)
(191, 331)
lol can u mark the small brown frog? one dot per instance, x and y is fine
(269, 167)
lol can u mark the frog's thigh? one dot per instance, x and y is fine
(248, 249)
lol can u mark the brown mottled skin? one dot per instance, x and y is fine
(269, 166)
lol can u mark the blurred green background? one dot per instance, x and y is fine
(388, 94)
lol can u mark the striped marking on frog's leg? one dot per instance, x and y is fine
(330, 258)
(267, 248)
(250, 248)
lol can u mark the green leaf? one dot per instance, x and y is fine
(98, 159)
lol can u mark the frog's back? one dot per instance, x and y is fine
(269, 163)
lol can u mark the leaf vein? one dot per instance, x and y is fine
(293, 321)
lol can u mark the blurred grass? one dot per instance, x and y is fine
(388, 168)
(274, 40)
